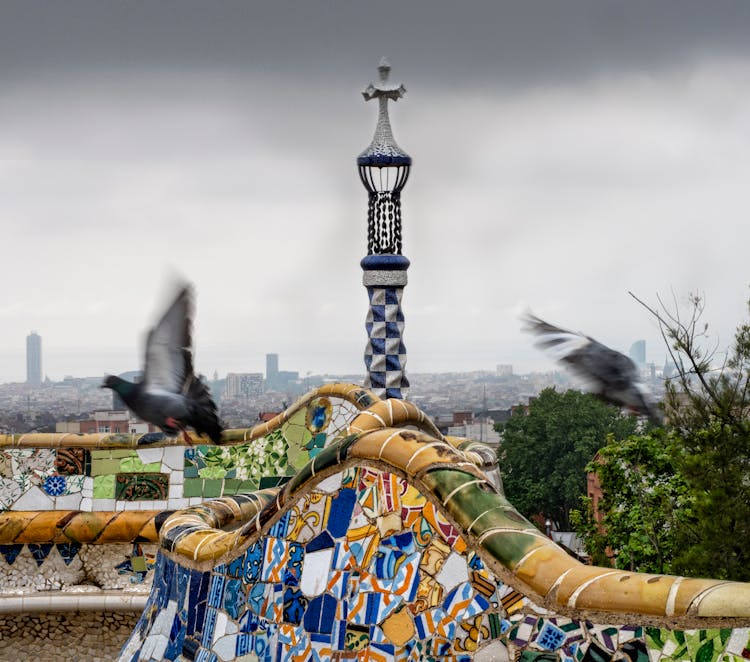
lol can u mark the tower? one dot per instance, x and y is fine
(272, 370)
(383, 169)
(638, 352)
(34, 359)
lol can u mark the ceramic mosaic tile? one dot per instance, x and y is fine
(141, 486)
(73, 461)
(200, 471)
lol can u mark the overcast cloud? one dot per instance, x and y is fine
(564, 153)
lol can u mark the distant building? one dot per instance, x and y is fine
(104, 422)
(34, 359)
(638, 352)
(277, 380)
(504, 370)
(243, 384)
(477, 429)
(272, 367)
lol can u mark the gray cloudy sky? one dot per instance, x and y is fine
(564, 153)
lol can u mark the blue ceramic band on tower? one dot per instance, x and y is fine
(384, 168)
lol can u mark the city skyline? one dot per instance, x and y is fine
(77, 361)
(563, 156)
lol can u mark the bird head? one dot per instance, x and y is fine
(117, 384)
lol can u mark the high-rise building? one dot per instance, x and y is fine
(272, 367)
(34, 359)
(638, 352)
(243, 384)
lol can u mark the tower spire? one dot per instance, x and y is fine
(384, 168)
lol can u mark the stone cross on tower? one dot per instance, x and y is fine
(383, 142)
(384, 168)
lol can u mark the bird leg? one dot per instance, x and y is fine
(174, 423)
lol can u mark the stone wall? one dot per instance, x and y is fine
(74, 637)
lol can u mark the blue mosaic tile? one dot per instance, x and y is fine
(320, 614)
(10, 552)
(216, 590)
(321, 541)
(40, 552)
(253, 562)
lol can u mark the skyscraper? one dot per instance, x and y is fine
(34, 359)
(638, 352)
(272, 366)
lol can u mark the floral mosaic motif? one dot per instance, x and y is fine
(142, 487)
(54, 485)
(269, 460)
(73, 461)
(32, 466)
(47, 474)
(265, 456)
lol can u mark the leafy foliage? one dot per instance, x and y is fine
(637, 520)
(679, 501)
(544, 453)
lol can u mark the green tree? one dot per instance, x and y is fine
(679, 501)
(637, 521)
(544, 453)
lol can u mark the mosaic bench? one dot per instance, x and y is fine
(388, 542)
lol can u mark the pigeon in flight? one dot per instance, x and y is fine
(170, 395)
(610, 375)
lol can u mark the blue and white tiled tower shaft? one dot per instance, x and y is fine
(384, 168)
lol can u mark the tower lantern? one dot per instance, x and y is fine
(384, 168)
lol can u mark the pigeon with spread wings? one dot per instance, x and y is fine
(608, 374)
(171, 396)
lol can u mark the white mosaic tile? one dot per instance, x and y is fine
(150, 455)
(88, 486)
(225, 647)
(495, 652)
(173, 459)
(330, 484)
(103, 504)
(220, 627)
(34, 499)
(315, 572)
(69, 502)
(10, 491)
(453, 572)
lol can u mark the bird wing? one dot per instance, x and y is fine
(609, 374)
(603, 368)
(169, 357)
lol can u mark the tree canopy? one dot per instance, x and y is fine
(637, 520)
(678, 500)
(544, 452)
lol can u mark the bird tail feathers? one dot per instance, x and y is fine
(204, 417)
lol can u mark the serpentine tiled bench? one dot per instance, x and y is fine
(387, 541)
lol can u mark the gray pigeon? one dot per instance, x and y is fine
(608, 374)
(170, 395)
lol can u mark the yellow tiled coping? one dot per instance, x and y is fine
(65, 526)
(376, 412)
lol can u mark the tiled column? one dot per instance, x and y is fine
(385, 354)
